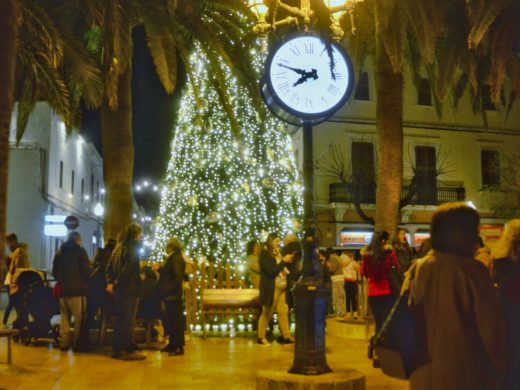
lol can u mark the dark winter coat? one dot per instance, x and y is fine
(405, 255)
(294, 268)
(463, 336)
(171, 277)
(71, 268)
(269, 270)
(123, 269)
(507, 274)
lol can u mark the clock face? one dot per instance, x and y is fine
(299, 75)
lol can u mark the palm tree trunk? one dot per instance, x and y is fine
(389, 123)
(9, 13)
(118, 157)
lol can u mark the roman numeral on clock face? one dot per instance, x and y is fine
(309, 47)
(295, 50)
(332, 89)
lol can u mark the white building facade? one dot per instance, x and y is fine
(53, 175)
(455, 155)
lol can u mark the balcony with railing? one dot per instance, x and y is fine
(429, 196)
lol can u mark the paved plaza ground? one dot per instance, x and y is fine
(211, 363)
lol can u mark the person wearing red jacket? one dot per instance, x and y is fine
(377, 260)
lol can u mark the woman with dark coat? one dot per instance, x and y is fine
(171, 278)
(506, 272)
(273, 283)
(460, 330)
(404, 252)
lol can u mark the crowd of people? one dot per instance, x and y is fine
(465, 296)
(115, 278)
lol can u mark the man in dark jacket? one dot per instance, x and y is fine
(123, 277)
(71, 269)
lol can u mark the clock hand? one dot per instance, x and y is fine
(307, 75)
(299, 71)
(301, 80)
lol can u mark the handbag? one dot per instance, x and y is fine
(56, 290)
(399, 342)
(396, 279)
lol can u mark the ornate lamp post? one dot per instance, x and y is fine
(304, 86)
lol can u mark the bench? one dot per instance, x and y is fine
(8, 333)
(215, 301)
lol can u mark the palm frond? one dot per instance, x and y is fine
(163, 52)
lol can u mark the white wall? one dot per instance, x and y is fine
(34, 189)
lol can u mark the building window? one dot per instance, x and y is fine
(92, 187)
(363, 172)
(82, 189)
(426, 174)
(362, 90)
(424, 92)
(61, 174)
(490, 160)
(97, 191)
(72, 176)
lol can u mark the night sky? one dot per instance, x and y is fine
(153, 115)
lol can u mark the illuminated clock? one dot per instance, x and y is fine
(299, 85)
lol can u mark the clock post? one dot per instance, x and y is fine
(310, 294)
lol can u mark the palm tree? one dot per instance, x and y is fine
(459, 45)
(9, 13)
(170, 28)
(53, 64)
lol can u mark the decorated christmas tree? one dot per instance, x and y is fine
(224, 189)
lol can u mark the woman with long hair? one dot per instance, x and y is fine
(404, 252)
(273, 283)
(506, 272)
(377, 260)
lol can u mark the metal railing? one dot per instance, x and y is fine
(339, 193)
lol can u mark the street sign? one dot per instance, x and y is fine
(71, 222)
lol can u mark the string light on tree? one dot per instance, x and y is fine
(222, 190)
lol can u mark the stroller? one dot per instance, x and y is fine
(35, 306)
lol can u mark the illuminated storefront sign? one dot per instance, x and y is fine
(355, 238)
(419, 238)
(491, 233)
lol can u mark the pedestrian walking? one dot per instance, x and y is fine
(71, 269)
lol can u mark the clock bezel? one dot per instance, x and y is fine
(289, 114)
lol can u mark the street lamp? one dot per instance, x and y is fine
(310, 293)
(99, 210)
(303, 14)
